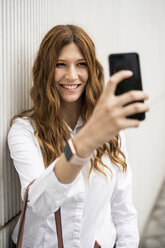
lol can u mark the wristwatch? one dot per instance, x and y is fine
(72, 156)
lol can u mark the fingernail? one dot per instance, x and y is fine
(130, 73)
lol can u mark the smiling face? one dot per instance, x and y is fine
(71, 74)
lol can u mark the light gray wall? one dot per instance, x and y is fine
(115, 26)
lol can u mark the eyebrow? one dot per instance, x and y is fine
(63, 60)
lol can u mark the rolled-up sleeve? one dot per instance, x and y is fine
(46, 194)
(124, 214)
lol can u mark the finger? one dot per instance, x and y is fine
(134, 108)
(130, 123)
(131, 96)
(114, 80)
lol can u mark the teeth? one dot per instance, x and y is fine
(70, 87)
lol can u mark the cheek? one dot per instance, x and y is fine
(58, 75)
(84, 75)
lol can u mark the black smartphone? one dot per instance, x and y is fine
(127, 61)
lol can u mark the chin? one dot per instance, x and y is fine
(71, 99)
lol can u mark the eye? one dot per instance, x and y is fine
(82, 64)
(60, 65)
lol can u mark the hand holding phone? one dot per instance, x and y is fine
(109, 115)
(127, 61)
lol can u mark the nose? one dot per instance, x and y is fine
(72, 73)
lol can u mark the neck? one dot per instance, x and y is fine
(71, 112)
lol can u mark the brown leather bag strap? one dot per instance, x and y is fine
(97, 245)
(57, 215)
(22, 218)
(59, 230)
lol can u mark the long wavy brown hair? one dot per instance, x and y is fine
(50, 129)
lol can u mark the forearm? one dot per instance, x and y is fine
(67, 172)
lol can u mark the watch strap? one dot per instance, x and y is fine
(72, 156)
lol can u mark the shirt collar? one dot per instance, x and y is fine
(79, 124)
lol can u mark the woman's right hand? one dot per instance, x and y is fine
(109, 115)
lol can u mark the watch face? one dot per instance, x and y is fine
(67, 151)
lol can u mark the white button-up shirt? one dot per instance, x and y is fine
(99, 209)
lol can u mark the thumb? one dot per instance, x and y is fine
(114, 80)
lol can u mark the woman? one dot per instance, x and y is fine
(69, 142)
